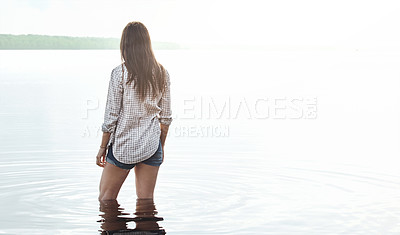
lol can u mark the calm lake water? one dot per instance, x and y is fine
(261, 143)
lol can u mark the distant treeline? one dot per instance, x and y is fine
(44, 42)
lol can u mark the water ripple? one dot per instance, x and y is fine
(225, 195)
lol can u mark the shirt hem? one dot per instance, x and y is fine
(143, 159)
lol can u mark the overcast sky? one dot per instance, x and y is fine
(277, 22)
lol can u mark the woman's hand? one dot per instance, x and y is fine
(101, 157)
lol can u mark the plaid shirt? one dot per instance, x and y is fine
(134, 125)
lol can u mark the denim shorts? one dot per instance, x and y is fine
(154, 160)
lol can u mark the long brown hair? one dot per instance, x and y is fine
(138, 57)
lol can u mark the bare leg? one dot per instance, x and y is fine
(146, 177)
(111, 181)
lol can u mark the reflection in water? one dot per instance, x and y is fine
(115, 221)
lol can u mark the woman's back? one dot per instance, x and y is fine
(136, 120)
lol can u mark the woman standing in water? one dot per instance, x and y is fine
(136, 119)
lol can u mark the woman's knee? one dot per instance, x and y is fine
(108, 195)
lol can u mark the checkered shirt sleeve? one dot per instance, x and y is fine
(165, 116)
(113, 104)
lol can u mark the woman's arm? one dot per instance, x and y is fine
(105, 139)
(164, 132)
(166, 112)
(111, 115)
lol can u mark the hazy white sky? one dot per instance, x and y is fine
(277, 22)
